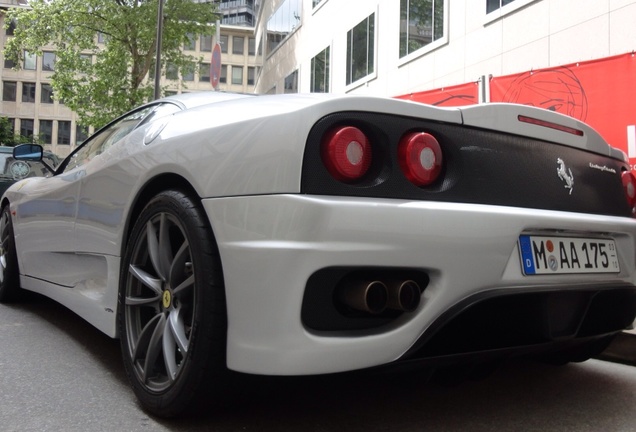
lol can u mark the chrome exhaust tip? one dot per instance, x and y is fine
(404, 296)
(371, 297)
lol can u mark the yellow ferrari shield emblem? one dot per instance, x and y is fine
(167, 299)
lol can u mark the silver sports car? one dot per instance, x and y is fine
(313, 234)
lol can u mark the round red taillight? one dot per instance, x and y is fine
(346, 153)
(420, 157)
(629, 186)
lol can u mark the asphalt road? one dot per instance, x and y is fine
(57, 373)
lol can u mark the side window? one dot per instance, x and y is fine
(112, 133)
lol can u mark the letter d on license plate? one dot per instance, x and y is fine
(567, 255)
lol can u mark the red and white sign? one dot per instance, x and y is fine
(215, 66)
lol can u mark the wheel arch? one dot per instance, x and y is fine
(144, 195)
(154, 186)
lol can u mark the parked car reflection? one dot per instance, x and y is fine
(12, 170)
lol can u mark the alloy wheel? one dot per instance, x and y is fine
(160, 302)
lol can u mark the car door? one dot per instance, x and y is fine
(44, 234)
(108, 183)
(55, 207)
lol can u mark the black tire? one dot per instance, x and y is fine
(172, 314)
(9, 272)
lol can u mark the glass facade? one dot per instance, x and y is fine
(283, 22)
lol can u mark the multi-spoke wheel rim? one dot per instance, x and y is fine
(5, 234)
(160, 302)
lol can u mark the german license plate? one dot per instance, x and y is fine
(567, 255)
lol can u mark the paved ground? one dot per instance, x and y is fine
(59, 374)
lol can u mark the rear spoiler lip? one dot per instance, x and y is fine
(504, 117)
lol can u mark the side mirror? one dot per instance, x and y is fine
(31, 152)
(28, 152)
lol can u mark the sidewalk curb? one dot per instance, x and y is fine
(621, 350)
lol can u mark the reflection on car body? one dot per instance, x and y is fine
(13, 170)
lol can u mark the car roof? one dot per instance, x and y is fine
(192, 100)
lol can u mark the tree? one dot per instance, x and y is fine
(9, 138)
(105, 49)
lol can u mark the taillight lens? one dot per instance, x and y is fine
(629, 186)
(420, 157)
(346, 153)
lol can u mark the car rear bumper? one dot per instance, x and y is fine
(270, 246)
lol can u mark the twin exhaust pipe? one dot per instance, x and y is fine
(375, 297)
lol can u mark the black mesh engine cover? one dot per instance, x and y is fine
(480, 167)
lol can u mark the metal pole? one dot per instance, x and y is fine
(158, 52)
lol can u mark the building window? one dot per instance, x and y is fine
(11, 28)
(188, 73)
(493, 5)
(46, 131)
(223, 42)
(420, 24)
(64, 132)
(26, 128)
(205, 43)
(48, 61)
(291, 82)
(9, 64)
(251, 46)
(28, 92)
(46, 93)
(81, 133)
(360, 50)
(30, 61)
(87, 59)
(237, 75)
(9, 91)
(320, 72)
(10, 122)
(223, 77)
(237, 44)
(190, 44)
(172, 72)
(251, 74)
(283, 22)
(204, 72)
